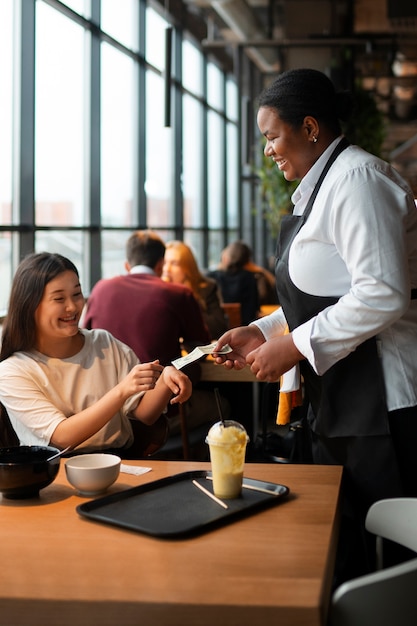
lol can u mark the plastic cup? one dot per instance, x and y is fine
(227, 443)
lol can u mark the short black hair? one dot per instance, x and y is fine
(144, 247)
(299, 93)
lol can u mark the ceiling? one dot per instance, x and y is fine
(374, 41)
(268, 29)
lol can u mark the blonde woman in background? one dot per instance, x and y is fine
(180, 266)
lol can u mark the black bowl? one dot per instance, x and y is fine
(24, 470)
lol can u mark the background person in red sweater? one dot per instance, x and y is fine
(154, 318)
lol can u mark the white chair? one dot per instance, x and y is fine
(394, 519)
(388, 596)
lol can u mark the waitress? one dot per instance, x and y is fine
(346, 276)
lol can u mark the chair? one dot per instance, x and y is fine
(179, 444)
(233, 311)
(387, 596)
(394, 519)
(8, 437)
(147, 439)
(187, 444)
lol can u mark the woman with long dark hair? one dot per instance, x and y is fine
(67, 386)
(180, 266)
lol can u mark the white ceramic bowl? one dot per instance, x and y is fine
(92, 474)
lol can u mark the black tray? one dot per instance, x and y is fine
(174, 507)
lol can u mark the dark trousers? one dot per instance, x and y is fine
(403, 426)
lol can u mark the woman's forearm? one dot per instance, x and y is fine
(173, 386)
(80, 426)
(153, 403)
(158, 390)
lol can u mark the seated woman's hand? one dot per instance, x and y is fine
(178, 383)
(143, 377)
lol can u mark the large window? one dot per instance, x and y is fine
(59, 120)
(159, 149)
(6, 159)
(118, 138)
(216, 176)
(192, 68)
(193, 180)
(80, 6)
(120, 21)
(86, 152)
(232, 164)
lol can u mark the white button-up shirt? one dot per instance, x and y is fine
(359, 244)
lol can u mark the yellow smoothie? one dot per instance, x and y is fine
(227, 442)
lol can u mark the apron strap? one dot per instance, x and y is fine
(343, 143)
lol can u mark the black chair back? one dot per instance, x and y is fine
(8, 437)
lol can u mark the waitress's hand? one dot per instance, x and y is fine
(273, 358)
(242, 340)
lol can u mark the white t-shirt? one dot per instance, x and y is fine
(39, 392)
(360, 244)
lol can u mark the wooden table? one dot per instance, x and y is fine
(213, 372)
(274, 567)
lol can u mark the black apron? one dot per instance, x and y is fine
(349, 399)
(349, 417)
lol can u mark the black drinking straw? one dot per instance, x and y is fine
(219, 407)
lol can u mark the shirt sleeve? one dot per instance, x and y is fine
(31, 413)
(366, 228)
(272, 325)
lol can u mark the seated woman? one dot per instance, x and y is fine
(181, 267)
(70, 387)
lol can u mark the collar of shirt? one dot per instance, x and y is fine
(304, 190)
(141, 269)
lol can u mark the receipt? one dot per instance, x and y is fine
(134, 469)
(199, 352)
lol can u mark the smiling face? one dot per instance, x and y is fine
(292, 149)
(59, 311)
